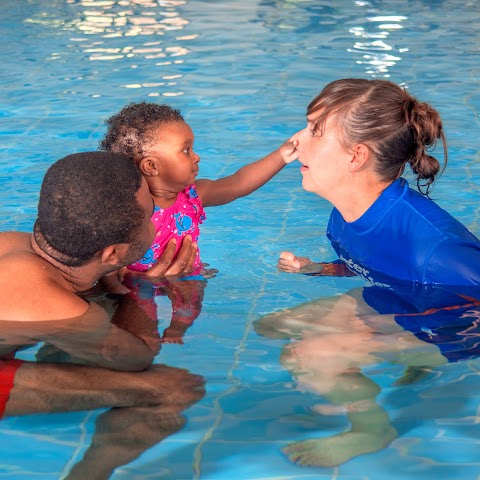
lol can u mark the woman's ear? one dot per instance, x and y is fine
(361, 156)
(148, 166)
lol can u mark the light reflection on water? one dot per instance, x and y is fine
(242, 73)
(374, 47)
(112, 26)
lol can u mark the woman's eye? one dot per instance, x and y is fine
(186, 150)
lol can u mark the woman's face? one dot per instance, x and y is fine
(324, 160)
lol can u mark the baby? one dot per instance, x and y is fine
(161, 144)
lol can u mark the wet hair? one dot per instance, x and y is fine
(129, 131)
(395, 126)
(87, 202)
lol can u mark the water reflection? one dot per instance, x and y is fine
(369, 24)
(377, 53)
(89, 363)
(110, 31)
(179, 300)
(334, 339)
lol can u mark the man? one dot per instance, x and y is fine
(93, 217)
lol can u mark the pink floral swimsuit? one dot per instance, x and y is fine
(176, 221)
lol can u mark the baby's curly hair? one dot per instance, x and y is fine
(128, 131)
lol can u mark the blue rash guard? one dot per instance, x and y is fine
(422, 265)
(406, 237)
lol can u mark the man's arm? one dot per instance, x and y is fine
(95, 338)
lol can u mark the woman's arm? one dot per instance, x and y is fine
(290, 263)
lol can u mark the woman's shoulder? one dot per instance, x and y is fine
(436, 218)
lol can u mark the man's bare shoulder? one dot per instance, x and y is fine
(11, 242)
(31, 288)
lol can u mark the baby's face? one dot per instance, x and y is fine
(172, 147)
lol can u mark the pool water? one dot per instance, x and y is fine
(242, 73)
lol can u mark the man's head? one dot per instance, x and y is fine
(92, 200)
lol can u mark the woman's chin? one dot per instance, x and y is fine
(306, 185)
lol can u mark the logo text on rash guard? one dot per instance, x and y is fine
(362, 272)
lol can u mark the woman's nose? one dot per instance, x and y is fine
(302, 133)
(299, 137)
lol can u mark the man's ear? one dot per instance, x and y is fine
(361, 155)
(113, 254)
(148, 166)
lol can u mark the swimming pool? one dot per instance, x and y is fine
(242, 74)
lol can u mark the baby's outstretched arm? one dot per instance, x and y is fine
(248, 179)
(290, 263)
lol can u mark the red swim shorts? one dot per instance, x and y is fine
(8, 369)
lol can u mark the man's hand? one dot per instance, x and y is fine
(207, 273)
(171, 265)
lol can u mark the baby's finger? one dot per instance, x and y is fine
(295, 136)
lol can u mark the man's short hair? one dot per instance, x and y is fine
(87, 202)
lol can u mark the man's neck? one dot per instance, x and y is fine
(78, 278)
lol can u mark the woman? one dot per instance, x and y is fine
(420, 263)
(360, 136)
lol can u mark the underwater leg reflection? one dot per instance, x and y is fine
(145, 407)
(332, 339)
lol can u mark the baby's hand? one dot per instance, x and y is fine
(288, 151)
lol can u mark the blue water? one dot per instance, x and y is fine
(242, 73)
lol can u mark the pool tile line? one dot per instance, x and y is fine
(251, 316)
(40, 438)
(80, 446)
(230, 377)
